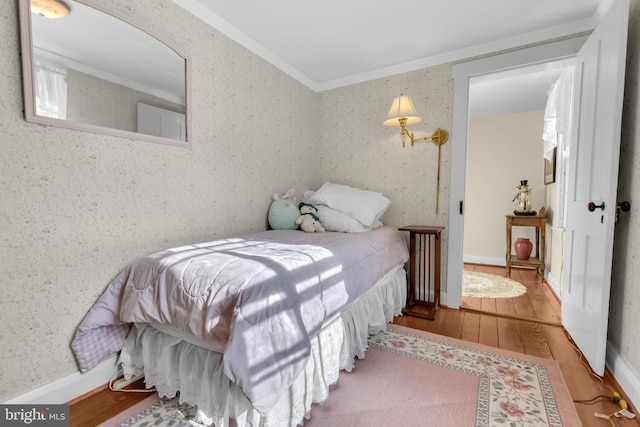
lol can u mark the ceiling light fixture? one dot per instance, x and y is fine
(50, 8)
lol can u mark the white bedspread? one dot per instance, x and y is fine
(258, 297)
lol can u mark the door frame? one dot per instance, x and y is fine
(462, 73)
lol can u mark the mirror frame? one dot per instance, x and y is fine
(26, 42)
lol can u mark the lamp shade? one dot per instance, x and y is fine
(50, 8)
(402, 107)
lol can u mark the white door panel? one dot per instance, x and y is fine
(593, 174)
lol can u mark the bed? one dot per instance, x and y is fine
(253, 329)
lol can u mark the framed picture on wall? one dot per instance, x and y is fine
(550, 168)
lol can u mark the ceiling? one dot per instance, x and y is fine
(334, 43)
(513, 91)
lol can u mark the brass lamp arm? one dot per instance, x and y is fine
(438, 137)
(402, 110)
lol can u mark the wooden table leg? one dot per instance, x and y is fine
(508, 256)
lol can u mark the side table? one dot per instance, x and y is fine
(423, 296)
(540, 224)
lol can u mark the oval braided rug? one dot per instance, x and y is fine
(485, 285)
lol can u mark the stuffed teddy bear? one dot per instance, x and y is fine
(308, 220)
(284, 212)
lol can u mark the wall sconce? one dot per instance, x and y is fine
(402, 113)
(50, 8)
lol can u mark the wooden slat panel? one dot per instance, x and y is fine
(489, 304)
(505, 306)
(438, 325)
(524, 307)
(470, 327)
(454, 324)
(509, 335)
(472, 302)
(534, 340)
(540, 303)
(488, 331)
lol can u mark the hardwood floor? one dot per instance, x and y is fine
(528, 324)
(102, 404)
(538, 303)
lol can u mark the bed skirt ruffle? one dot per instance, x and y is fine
(174, 365)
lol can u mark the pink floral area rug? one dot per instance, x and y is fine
(410, 377)
(414, 378)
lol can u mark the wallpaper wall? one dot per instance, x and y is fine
(77, 207)
(501, 151)
(624, 306)
(358, 150)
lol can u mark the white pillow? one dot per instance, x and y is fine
(333, 220)
(365, 206)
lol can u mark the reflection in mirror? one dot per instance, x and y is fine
(96, 71)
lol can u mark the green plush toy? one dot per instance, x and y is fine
(284, 212)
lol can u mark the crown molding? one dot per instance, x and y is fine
(539, 36)
(207, 15)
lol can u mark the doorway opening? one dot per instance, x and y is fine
(588, 235)
(506, 122)
(487, 74)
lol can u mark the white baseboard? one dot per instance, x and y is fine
(484, 260)
(624, 375)
(553, 282)
(70, 387)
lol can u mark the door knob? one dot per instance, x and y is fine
(592, 206)
(624, 206)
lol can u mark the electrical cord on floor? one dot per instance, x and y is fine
(606, 417)
(593, 374)
(615, 398)
(133, 390)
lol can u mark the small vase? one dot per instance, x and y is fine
(523, 248)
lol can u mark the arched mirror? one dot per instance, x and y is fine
(96, 70)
